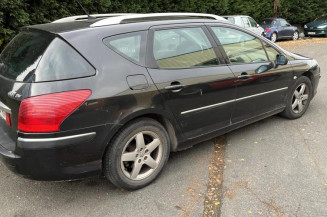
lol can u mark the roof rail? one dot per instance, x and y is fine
(85, 17)
(119, 19)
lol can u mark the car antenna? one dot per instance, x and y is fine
(89, 17)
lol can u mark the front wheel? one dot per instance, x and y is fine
(137, 154)
(295, 35)
(298, 99)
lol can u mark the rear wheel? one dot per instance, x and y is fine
(137, 154)
(273, 37)
(298, 99)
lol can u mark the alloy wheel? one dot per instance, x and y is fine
(273, 37)
(300, 98)
(295, 35)
(141, 155)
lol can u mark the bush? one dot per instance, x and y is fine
(17, 13)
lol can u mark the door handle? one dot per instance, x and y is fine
(175, 87)
(244, 76)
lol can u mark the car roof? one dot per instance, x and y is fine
(236, 16)
(144, 21)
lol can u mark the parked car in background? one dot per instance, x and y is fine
(115, 95)
(318, 27)
(278, 28)
(246, 22)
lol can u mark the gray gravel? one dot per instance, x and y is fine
(278, 167)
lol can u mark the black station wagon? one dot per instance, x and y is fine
(114, 95)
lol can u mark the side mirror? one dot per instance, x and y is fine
(281, 60)
(258, 25)
(288, 24)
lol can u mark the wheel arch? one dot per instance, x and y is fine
(167, 122)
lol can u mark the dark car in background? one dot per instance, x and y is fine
(115, 95)
(318, 27)
(278, 28)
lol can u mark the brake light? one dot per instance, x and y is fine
(268, 30)
(45, 113)
(8, 119)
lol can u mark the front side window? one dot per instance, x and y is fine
(271, 52)
(253, 23)
(246, 22)
(128, 45)
(183, 48)
(283, 23)
(239, 46)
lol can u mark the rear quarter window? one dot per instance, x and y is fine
(60, 62)
(129, 45)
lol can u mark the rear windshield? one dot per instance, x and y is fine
(19, 59)
(268, 22)
(38, 57)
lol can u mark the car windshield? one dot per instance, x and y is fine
(322, 18)
(268, 22)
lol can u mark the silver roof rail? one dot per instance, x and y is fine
(119, 19)
(85, 17)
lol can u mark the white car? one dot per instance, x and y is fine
(246, 22)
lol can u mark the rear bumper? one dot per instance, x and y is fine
(58, 158)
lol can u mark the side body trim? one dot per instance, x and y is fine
(235, 100)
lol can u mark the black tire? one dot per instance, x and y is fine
(273, 37)
(295, 113)
(117, 171)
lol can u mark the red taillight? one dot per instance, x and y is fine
(8, 119)
(45, 113)
(268, 30)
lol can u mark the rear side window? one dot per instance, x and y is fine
(129, 45)
(183, 48)
(22, 55)
(61, 61)
(231, 19)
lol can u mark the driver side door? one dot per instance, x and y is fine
(261, 86)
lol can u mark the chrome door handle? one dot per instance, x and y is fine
(244, 76)
(175, 87)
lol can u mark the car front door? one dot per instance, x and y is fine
(188, 70)
(284, 29)
(261, 85)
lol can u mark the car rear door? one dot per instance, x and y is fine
(190, 73)
(261, 86)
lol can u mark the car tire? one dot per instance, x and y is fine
(298, 99)
(273, 37)
(137, 154)
(295, 35)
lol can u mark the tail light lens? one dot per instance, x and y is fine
(268, 30)
(45, 113)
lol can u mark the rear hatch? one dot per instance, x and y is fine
(18, 63)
